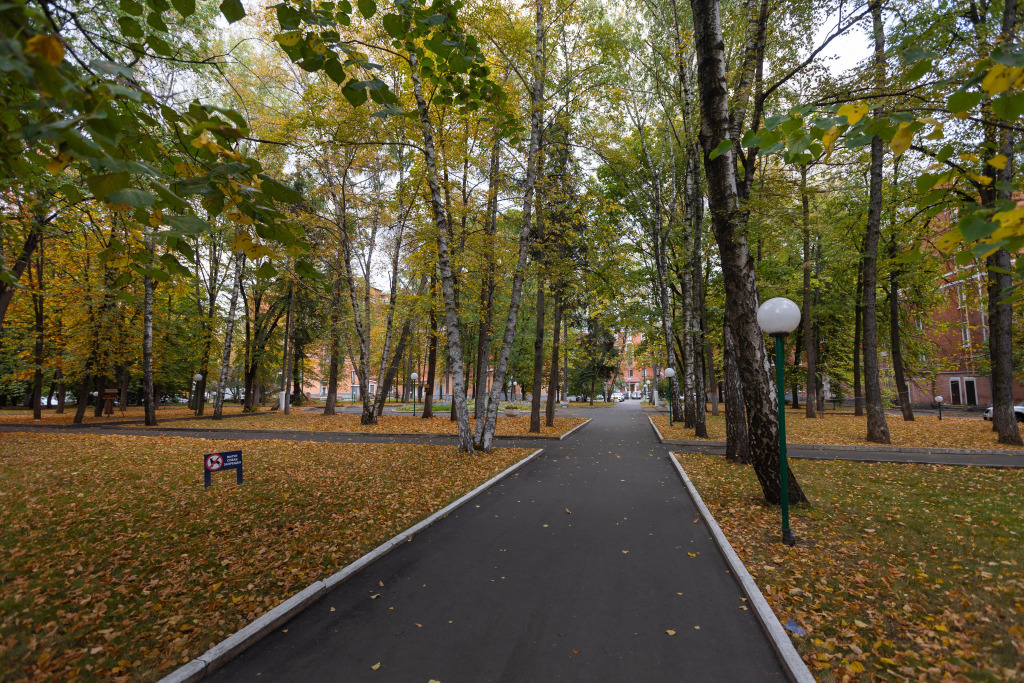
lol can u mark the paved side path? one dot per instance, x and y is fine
(572, 570)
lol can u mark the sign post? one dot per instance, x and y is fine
(216, 462)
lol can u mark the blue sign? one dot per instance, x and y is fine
(215, 462)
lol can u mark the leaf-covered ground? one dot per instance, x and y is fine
(49, 416)
(926, 431)
(901, 572)
(115, 563)
(387, 424)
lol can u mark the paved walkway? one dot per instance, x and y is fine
(571, 570)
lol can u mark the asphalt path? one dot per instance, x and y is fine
(574, 569)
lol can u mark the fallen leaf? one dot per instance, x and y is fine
(568, 511)
(670, 632)
(375, 666)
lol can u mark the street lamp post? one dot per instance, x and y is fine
(197, 378)
(670, 373)
(778, 317)
(515, 398)
(938, 399)
(647, 389)
(414, 377)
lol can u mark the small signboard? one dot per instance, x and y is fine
(216, 462)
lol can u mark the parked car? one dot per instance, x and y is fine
(1018, 411)
(617, 396)
(635, 394)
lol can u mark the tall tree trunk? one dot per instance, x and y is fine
(1000, 307)
(485, 433)
(878, 430)
(709, 364)
(82, 401)
(229, 330)
(289, 351)
(58, 379)
(728, 221)
(335, 327)
(810, 343)
(126, 379)
(37, 305)
(549, 416)
(538, 358)
(483, 351)
(428, 399)
(858, 320)
(737, 442)
(444, 263)
(894, 337)
(149, 395)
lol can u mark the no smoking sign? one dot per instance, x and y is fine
(215, 462)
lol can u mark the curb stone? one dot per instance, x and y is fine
(232, 646)
(836, 447)
(271, 432)
(783, 646)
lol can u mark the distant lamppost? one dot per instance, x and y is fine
(414, 377)
(938, 399)
(669, 374)
(197, 378)
(515, 398)
(778, 317)
(647, 389)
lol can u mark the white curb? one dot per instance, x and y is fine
(657, 431)
(577, 427)
(794, 665)
(229, 648)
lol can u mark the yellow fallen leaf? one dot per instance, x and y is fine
(625, 552)
(697, 627)
(670, 632)
(856, 667)
(859, 623)
(375, 666)
(568, 511)
(692, 554)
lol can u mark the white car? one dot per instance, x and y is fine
(1018, 411)
(617, 396)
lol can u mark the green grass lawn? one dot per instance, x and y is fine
(116, 563)
(901, 572)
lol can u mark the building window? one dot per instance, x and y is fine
(631, 373)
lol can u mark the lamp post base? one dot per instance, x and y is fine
(788, 537)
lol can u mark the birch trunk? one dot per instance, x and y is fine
(549, 415)
(728, 220)
(485, 431)
(878, 429)
(810, 344)
(147, 341)
(444, 263)
(229, 335)
(737, 442)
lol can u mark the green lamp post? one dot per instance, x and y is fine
(938, 399)
(778, 317)
(414, 377)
